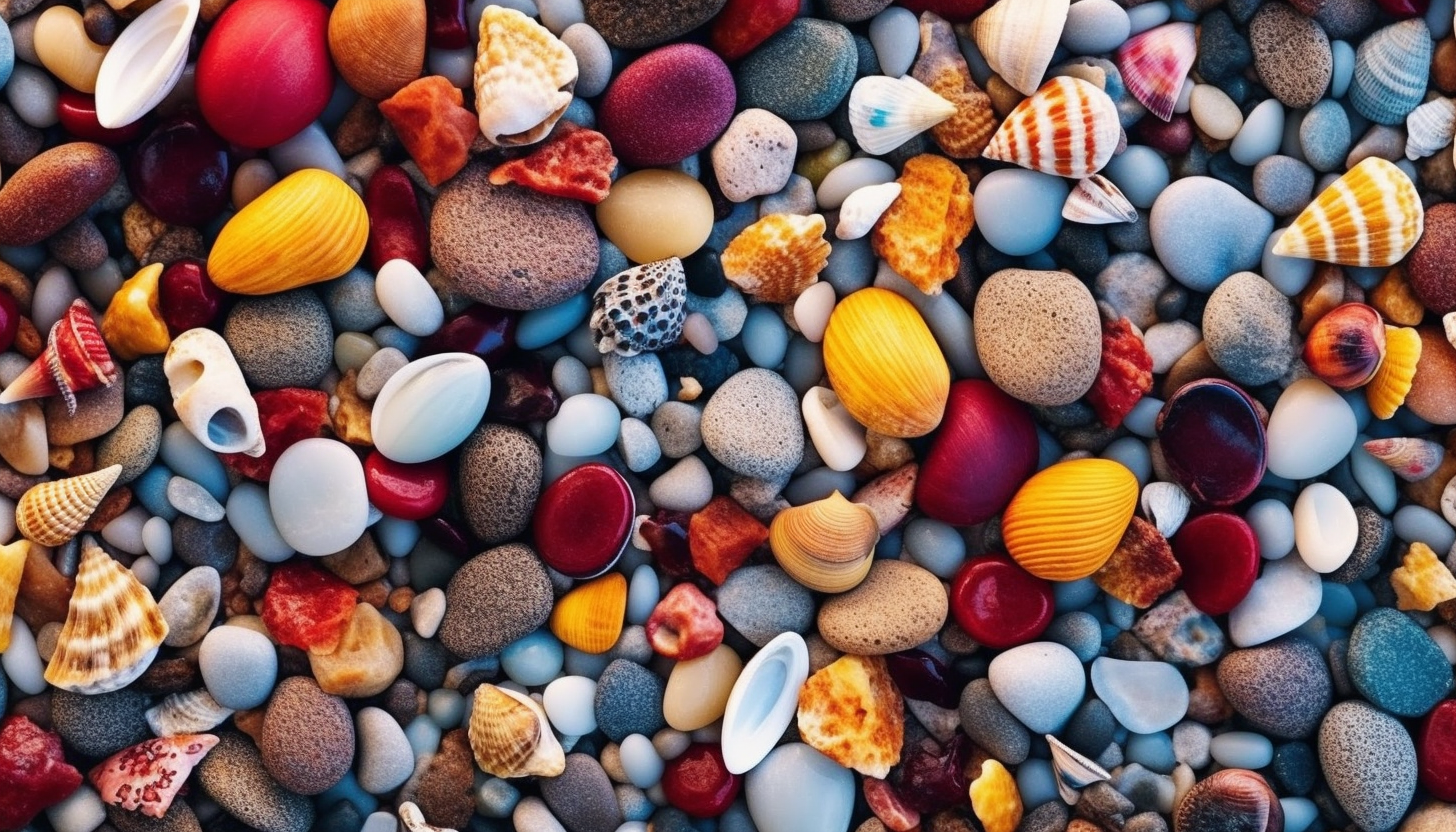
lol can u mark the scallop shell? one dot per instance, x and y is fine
(146, 777)
(190, 712)
(827, 545)
(1233, 798)
(885, 365)
(851, 712)
(1412, 459)
(52, 513)
(1074, 772)
(75, 359)
(12, 566)
(1429, 128)
(1386, 392)
(1154, 64)
(145, 63)
(1068, 128)
(1166, 505)
(884, 112)
(113, 627)
(1371, 216)
(943, 69)
(523, 78)
(763, 701)
(378, 46)
(1096, 201)
(1018, 39)
(1066, 521)
(511, 737)
(1392, 67)
(777, 257)
(590, 616)
(863, 208)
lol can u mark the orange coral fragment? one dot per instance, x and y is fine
(920, 231)
(430, 117)
(1126, 374)
(1141, 568)
(575, 163)
(851, 712)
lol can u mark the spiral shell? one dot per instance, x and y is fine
(511, 737)
(1345, 347)
(1068, 128)
(189, 712)
(1412, 459)
(1018, 39)
(885, 365)
(12, 566)
(1371, 216)
(1386, 392)
(590, 616)
(523, 78)
(884, 112)
(1429, 128)
(1392, 67)
(75, 359)
(777, 257)
(52, 513)
(827, 545)
(1066, 521)
(113, 627)
(1154, 64)
(378, 45)
(1096, 201)
(1233, 798)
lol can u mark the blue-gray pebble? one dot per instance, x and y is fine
(1395, 665)
(800, 73)
(1205, 230)
(1019, 211)
(1324, 136)
(629, 701)
(1369, 762)
(1283, 687)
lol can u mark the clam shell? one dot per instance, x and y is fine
(523, 78)
(1429, 128)
(12, 566)
(1096, 201)
(378, 45)
(112, 631)
(763, 701)
(1155, 63)
(190, 712)
(1068, 128)
(827, 545)
(885, 365)
(146, 777)
(1233, 798)
(1386, 392)
(145, 63)
(1392, 67)
(510, 736)
(1165, 505)
(590, 616)
(777, 257)
(884, 112)
(1066, 521)
(429, 406)
(1018, 39)
(52, 513)
(863, 208)
(851, 712)
(1412, 459)
(1074, 771)
(210, 395)
(1371, 216)
(943, 69)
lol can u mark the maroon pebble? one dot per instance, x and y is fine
(583, 519)
(1219, 554)
(667, 105)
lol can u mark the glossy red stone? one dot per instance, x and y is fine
(887, 805)
(920, 675)
(1000, 604)
(582, 520)
(77, 114)
(698, 782)
(1212, 439)
(480, 330)
(188, 297)
(181, 172)
(287, 415)
(1403, 9)
(396, 227)
(9, 319)
(1219, 554)
(409, 491)
(743, 24)
(1436, 751)
(34, 774)
(306, 606)
(447, 26)
(956, 11)
(983, 451)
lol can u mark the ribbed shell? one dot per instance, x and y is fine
(112, 631)
(1371, 216)
(1018, 39)
(885, 365)
(590, 616)
(189, 712)
(1386, 392)
(1344, 348)
(1429, 128)
(1392, 67)
(52, 513)
(1411, 458)
(511, 737)
(884, 113)
(827, 545)
(1155, 63)
(1096, 201)
(1069, 128)
(12, 566)
(1074, 772)
(943, 69)
(75, 359)
(1233, 798)
(1066, 521)
(523, 78)
(378, 45)
(777, 257)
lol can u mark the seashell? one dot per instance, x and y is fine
(523, 78)
(851, 712)
(309, 227)
(113, 626)
(777, 257)
(1386, 392)
(1066, 521)
(885, 365)
(1429, 128)
(943, 69)
(75, 360)
(827, 545)
(12, 566)
(1018, 39)
(1096, 201)
(590, 616)
(1448, 324)
(1422, 581)
(429, 406)
(52, 513)
(995, 799)
(1074, 772)
(641, 309)
(884, 112)
(145, 63)
(919, 234)
(413, 820)
(1154, 64)
(63, 47)
(763, 701)
(146, 777)
(1412, 459)
(1212, 438)
(511, 737)
(378, 46)
(986, 435)
(1068, 128)
(133, 325)
(1166, 505)
(190, 712)
(1345, 346)
(1233, 798)
(210, 394)
(1371, 216)
(863, 208)
(1392, 67)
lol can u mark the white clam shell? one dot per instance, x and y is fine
(1430, 127)
(1074, 772)
(210, 394)
(145, 62)
(763, 701)
(430, 406)
(1096, 201)
(863, 208)
(885, 112)
(1166, 505)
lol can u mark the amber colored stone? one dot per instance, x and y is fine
(250, 722)
(1327, 289)
(1141, 568)
(359, 130)
(28, 340)
(443, 790)
(1422, 581)
(133, 325)
(431, 120)
(1195, 364)
(139, 229)
(361, 563)
(1443, 67)
(375, 594)
(352, 415)
(1206, 702)
(1394, 299)
(45, 594)
(1433, 392)
(400, 599)
(369, 657)
(574, 162)
(721, 537)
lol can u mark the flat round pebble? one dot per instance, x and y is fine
(628, 700)
(800, 73)
(238, 666)
(1020, 211)
(385, 758)
(101, 724)
(1144, 696)
(1040, 683)
(762, 601)
(1227, 235)
(1395, 665)
(499, 479)
(1291, 54)
(1038, 335)
(896, 607)
(307, 740)
(582, 797)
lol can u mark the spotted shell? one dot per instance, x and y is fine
(524, 77)
(510, 736)
(1066, 521)
(112, 631)
(52, 513)
(1068, 128)
(852, 713)
(641, 309)
(885, 365)
(146, 777)
(1386, 392)
(1371, 216)
(777, 257)
(590, 616)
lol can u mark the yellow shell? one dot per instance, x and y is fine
(827, 545)
(511, 737)
(112, 631)
(133, 325)
(1371, 216)
(309, 227)
(777, 257)
(378, 45)
(995, 798)
(589, 617)
(851, 712)
(523, 78)
(1066, 521)
(884, 364)
(12, 566)
(1386, 392)
(53, 513)
(1422, 581)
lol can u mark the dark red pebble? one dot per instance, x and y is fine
(667, 105)
(188, 297)
(743, 24)
(956, 11)
(582, 520)
(666, 534)
(396, 227)
(9, 319)
(448, 535)
(698, 781)
(77, 114)
(1219, 554)
(1436, 752)
(1000, 604)
(1213, 441)
(1404, 8)
(522, 393)
(447, 27)
(480, 330)
(181, 172)
(409, 491)
(921, 676)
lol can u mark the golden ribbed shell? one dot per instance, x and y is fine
(511, 737)
(885, 365)
(1066, 521)
(1391, 383)
(777, 257)
(12, 566)
(590, 616)
(1371, 216)
(378, 45)
(53, 513)
(112, 631)
(827, 545)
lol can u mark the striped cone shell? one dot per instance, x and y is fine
(1068, 128)
(53, 513)
(1392, 67)
(112, 631)
(1371, 216)
(1155, 63)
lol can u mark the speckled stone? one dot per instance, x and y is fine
(1396, 665)
(800, 73)
(197, 543)
(352, 302)
(1431, 261)
(97, 412)
(752, 425)
(1248, 328)
(853, 11)
(100, 725)
(307, 741)
(1283, 688)
(1376, 535)
(133, 443)
(233, 775)
(1131, 282)
(1283, 184)
(1291, 54)
(637, 24)
(494, 599)
(1039, 335)
(443, 791)
(898, 606)
(762, 601)
(1434, 816)
(179, 818)
(582, 797)
(629, 701)
(1369, 762)
(991, 726)
(678, 429)
(499, 479)
(284, 340)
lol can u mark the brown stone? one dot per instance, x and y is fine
(52, 189)
(1443, 66)
(352, 414)
(139, 228)
(361, 563)
(369, 657)
(1206, 703)
(1433, 392)
(443, 790)
(1431, 266)
(1394, 298)
(112, 506)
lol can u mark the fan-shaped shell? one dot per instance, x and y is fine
(378, 45)
(189, 712)
(1392, 67)
(12, 566)
(112, 631)
(523, 78)
(52, 513)
(777, 257)
(1233, 798)
(884, 112)
(1155, 63)
(1018, 39)
(1429, 128)
(145, 62)
(1371, 216)
(1069, 128)
(1096, 201)
(1411, 458)
(511, 737)
(863, 208)
(827, 545)
(1066, 521)
(590, 616)
(885, 365)
(1386, 392)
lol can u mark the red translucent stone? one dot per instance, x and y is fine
(933, 777)
(1213, 441)
(685, 624)
(9, 319)
(306, 606)
(983, 451)
(921, 676)
(668, 539)
(956, 11)
(743, 24)
(522, 393)
(887, 805)
(1436, 751)
(34, 774)
(447, 27)
(583, 519)
(1000, 604)
(1219, 554)
(1404, 8)
(287, 415)
(410, 491)
(396, 227)
(480, 330)
(77, 114)
(181, 172)
(188, 297)
(699, 783)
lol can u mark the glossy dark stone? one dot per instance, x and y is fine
(932, 777)
(188, 297)
(705, 273)
(9, 319)
(667, 538)
(77, 113)
(582, 520)
(1404, 8)
(447, 27)
(1172, 137)
(522, 393)
(1213, 441)
(1219, 554)
(920, 675)
(448, 535)
(1000, 604)
(480, 330)
(181, 172)
(408, 491)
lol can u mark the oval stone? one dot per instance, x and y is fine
(430, 406)
(1213, 441)
(1310, 430)
(582, 520)
(1145, 697)
(318, 496)
(1436, 751)
(1325, 527)
(1396, 665)
(1219, 554)
(1000, 604)
(52, 189)
(776, 790)
(1369, 761)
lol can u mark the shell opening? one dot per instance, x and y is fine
(227, 427)
(763, 693)
(183, 375)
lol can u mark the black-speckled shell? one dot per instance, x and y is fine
(641, 309)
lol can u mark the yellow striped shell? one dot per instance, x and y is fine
(12, 566)
(510, 736)
(1068, 128)
(590, 616)
(884, 364)
(827, 545)
(53, 513)
(1066, 521)
(1387, 390)
(1371, 216)
(112, 631)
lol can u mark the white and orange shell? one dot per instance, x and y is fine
(777, 257)
(113, 628)
(1018, 39)
(510, 736)
(1068, 128)
(12, 566)
(1155, 63)
(524, 77)
(52, 513)
(1096, 201)
(1371, 216)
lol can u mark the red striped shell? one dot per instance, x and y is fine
(1069, 127)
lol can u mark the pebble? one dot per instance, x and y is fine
(1040, 683)
(800, 73)
(1095, 27)
(637, 384)
(307, 739)
(752, 425)
(101, 724)
(1283, 598)
(1282, 688)
(582, 797)
(1019, 211)
(1144, 696)
(637, 445)
(406, 297)
(238, 666)
(583, 426)
(629, 700)
(1141, 173)
(991, 726)
(1204, 230)
(667, 105)
(761, 601)
(1260, 135)
(499, 478)
(755, 155)
(1310, 430)
(1248, 329)
(774, 790)
(1242, 749)
(1395, 665)
(628, 24)
(686, 486)
(318, 496)
(1215, 113)
(493, 599)
(1324, 136)
(898, 606)
(1283, 184)
(1326, 528)
(1038, 335)
(385, 758)
(190, 604)
(1369, 761)
(678, 429)
(895, 34)
(1291, 54)
(846, 178)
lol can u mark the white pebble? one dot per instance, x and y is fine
(812, 310)
(1325, 527)
(837, 437)
(406, 297)
(568, 703)
(81, 811)
(1214, 112)
(125, 531)
(427, 610)
(157, 538)
(21, 660)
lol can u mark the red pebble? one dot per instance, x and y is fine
(480, 330)
(743, 24)
(1219, 554)
(9, 319)
(1125, 375)
(983, 451)
(181, 172)
(77, 114)
(307, 607)
(409, 491)
(188, 297)
(1000, 604)
(667, 105)
(885, 802)
(956, 11)
(1172, 137)
(698, 782)
(574, 163)
(396, 228)
(287, 415)
(1403, 9)
(582, 520)
(34, 774)
(447, 26)
(1436, 752)
(684, 624)
(721, 536)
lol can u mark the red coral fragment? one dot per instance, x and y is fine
(307, 607)
(430, 117)
(287, 415)
(722, 536)
(34, 774)
(1126, 374)
(147, 776)
(575, 163)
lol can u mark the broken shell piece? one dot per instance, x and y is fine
(919, 233)
(863, 208)
(1429, 128)
(1166, 504)
(211, 395)
(146, 777)
(852, 713)
(75, 359)
(885, 112)
(1096, 201)
(1074, 772)
(12, 566)
(414, 820)
(145, 62)
(52, 513)
(1412, 459)
(1422, 581)
(763, 701)
(113, 627)
(523, 78)
(777, 257)
(510, 736)
(190, 712)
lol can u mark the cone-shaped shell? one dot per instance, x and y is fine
(1155, 63)
(112, 631)
(1074, 772)
(309, 227)
(12, 566)
(885, 365)
(75, 359)
(777, 257)
(1065, 522)
(590, 616)
(523, 78)
(52, 513)
(1069, 128)
(1386, 392)
(885, 112)
(1411, 458)
(863, 208)
(1371, 216)
(1392, 67)
(1096, 201)
(1429, 128)
(146, 777)
(145, 62)
(511, 737)
(827, 545)
(378, 45)
(1018, 39)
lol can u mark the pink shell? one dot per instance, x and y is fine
(1155, 63)
(146, 777)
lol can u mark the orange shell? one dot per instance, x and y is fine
(942, 68)
(1066, 521)
(1069, 128)
(112, 631)
(1371, 216)
(777, 257)
(590, 616)
(378, 45)
(885, 365)
(1386, 392)
(918, 234)
(852, 713)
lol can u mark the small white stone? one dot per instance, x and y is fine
(1310, 430)
(686, 486)
(1215, 113)
(1325, 527)
(407, 298)
(21, 660)
(430, 406)
(838, 438)
(82, 811)
(318, 497)
(812, 310)
(427, 610)
(568, 704)
(1282, 599)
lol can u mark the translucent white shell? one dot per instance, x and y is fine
(1096, 201)
(523, 78)
(191, 712)
(863, 208)
(885, 112)
(763, 701)
(145, 62)
(210, 394)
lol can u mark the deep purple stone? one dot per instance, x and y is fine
(180, 172)
(1172, 137)
(522, 393)
(187, 296)
(920, 675)
(667, 538)
(448, 535)
(1213, 441)
(480, 330)
(933, 778)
